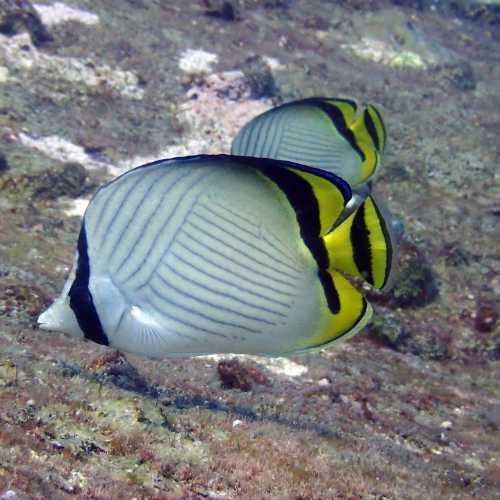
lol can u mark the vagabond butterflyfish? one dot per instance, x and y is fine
(323, 132)
(221, 254)
(326, 133)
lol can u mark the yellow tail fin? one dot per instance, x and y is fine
(369, 131)
(363, 245)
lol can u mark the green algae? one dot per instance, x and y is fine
(416, 285)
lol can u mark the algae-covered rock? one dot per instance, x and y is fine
(8, 373)
(486, 315)
(221, 9)
(114, 367)
(416, 284)
(486, 11)
(235, 375)
(388, 37)
(425, 346)
(259, 78)
(67, 180)
(388, 330)
(460, 74)
(16, 16)
(463, 77)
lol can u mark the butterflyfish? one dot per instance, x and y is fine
(326, 133)
(221, 254)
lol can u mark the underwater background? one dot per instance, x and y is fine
(410, 408)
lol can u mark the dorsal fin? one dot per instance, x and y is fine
(312, 192)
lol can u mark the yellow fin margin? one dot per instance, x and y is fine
(354, 313)
(330, 199)
(369, 133)
(347, 107)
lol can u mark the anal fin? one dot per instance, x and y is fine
(345, 312)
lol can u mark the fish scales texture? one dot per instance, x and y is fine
(197, 259)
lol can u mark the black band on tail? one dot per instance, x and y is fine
(361, 245)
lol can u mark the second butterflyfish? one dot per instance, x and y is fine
(221, 254)
(326, 133)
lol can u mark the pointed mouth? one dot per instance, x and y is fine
(43, 321)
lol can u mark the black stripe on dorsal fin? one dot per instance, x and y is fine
(300, 194)
(339, 121)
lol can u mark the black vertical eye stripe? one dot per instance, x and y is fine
(80, 298)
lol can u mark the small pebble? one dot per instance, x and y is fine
(8, 374)
(9, 495)
(485, 317)
(446, 425)
(3, 163)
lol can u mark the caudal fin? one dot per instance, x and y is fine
(363, 245)
(369, 133)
